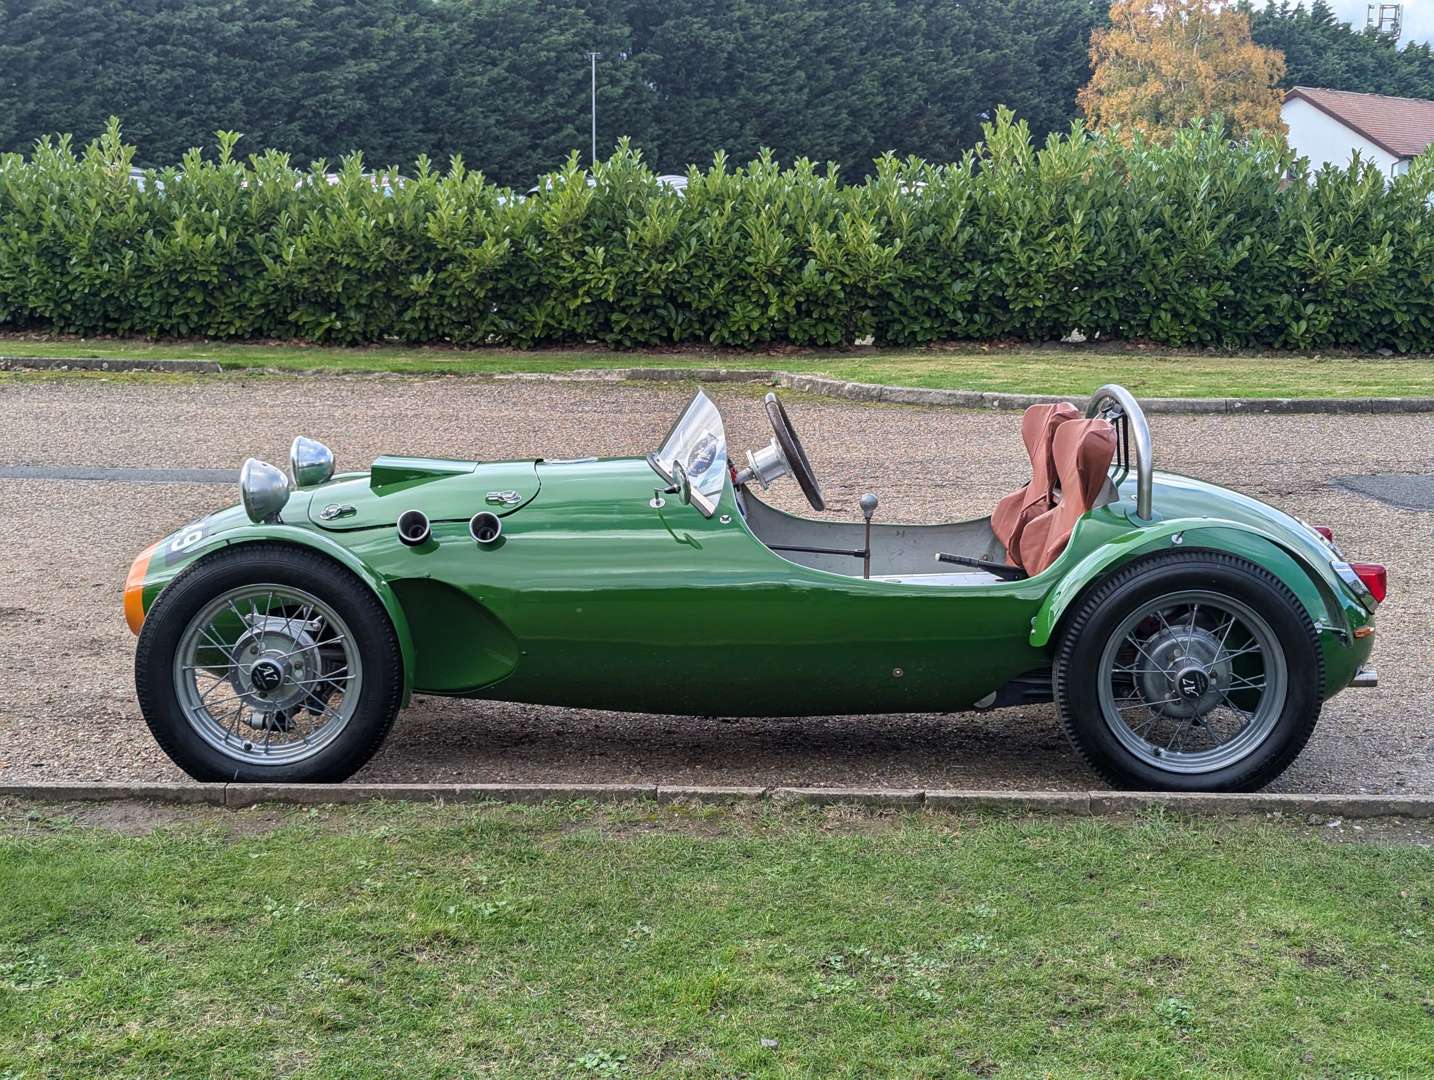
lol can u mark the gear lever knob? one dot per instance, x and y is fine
(868, 508)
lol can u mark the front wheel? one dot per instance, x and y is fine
(265, 662)
(1193, 671)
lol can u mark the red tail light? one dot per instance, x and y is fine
(1374, 577)
(1325, 531)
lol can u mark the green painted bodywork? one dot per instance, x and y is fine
(593, 597)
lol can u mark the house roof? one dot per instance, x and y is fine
(1402, 126)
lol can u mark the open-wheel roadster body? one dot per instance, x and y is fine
(1188, 634)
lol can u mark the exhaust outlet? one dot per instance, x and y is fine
(485, 527)
(413, 527)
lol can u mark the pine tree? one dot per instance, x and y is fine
(1320, 50)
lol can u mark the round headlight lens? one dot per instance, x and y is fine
(263, 489)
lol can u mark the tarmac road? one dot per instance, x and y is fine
(67, 709)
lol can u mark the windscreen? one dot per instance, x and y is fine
(698, 443)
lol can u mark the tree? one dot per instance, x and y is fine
(1163, 63)
(1320, 50)
(505, 82)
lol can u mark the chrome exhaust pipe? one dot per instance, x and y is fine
(485, 527)
(413, 527)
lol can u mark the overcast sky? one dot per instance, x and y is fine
(1418, 17)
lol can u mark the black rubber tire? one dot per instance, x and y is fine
(379, 698)
(1099, 613)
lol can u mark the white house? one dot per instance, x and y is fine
(1330, 125)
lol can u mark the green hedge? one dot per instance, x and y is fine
(1195, 243)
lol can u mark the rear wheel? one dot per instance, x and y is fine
(268, 663)
(1194, 671)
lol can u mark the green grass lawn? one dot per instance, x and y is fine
(575, 941)
(1074, 373)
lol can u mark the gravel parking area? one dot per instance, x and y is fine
(67, 709)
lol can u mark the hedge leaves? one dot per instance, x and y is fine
(1196, 243)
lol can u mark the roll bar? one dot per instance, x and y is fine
(1118, 405)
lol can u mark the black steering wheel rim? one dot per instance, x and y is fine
(791, 448)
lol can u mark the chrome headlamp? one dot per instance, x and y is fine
(263, 489)
(310, 462)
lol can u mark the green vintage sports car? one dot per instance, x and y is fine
(1188, 634)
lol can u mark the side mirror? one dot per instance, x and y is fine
(681, 485)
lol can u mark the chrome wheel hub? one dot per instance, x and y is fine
(276, 659)
(1185, 672)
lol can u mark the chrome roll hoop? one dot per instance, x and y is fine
(1118, 405)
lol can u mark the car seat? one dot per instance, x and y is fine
(1016, 511)
(1082, 451)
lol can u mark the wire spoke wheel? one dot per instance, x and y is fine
(1192, 681)
(267, 674)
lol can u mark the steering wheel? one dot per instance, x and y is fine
(791, 448)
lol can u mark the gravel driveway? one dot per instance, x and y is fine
(67, 708)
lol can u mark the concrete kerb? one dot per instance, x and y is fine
(874, 798)
(213, 794)
(1111, 803)
(100, 363)
(314, 794)
(810, 384)
(1075, 803)
(1081, 803)
(698, 793)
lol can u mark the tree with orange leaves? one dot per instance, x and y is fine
(1164, 63)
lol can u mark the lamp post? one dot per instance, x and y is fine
(593, 59)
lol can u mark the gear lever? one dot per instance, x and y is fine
(869, 504)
